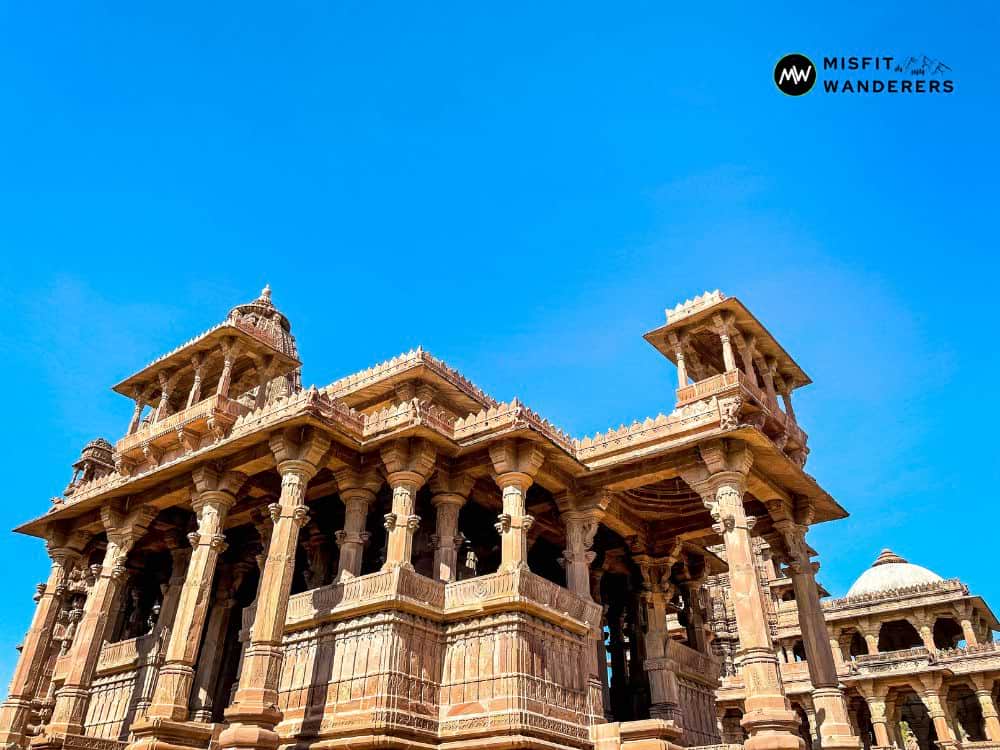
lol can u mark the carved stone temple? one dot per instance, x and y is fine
(913, 652)
(397, 560)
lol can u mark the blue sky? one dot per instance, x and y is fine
(521, 190)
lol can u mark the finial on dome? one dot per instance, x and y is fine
(887, 557)
(265, 293)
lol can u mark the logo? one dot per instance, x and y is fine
(795, 75)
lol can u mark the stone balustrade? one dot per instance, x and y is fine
(404, 588)
(688, 661)
(124, 655)
(864, 601)
(196, 419)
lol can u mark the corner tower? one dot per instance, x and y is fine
(703, 337)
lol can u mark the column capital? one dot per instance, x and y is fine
(299, 451)
(410, 456)
(213, 483)
(512, 457)
(450, 486)
(357, 482)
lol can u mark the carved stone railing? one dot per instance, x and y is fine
(709, 387)
(706, 668)
(951, 585)
(405, 587)
(123, 655)
(195, 416)
(523, 587)
(791, 671)
(904, 660)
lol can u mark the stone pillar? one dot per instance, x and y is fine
(724, 326)
(925, 626)
(836, 649)
(880, 722)
(180, 556)
(357, 491)
(408, 463)
(215, 495)
(166, 385)
(15, 711)
(194, 395)
(929, 689)
(827, 697)
(984, 693)
(230, 350)
(516, 464)
(451, 491)
(254, 711)
(658, 589)
(677, 342)
(133, 424)
(213, 643)
(70, 710)
(721, 482)
(581, 527)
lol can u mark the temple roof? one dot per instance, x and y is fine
(890, 572)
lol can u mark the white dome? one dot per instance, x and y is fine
(888, 572)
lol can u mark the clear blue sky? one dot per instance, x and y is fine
(521, 190)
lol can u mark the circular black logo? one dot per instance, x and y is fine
(795, 74)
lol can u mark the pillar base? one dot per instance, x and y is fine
(240, 736)
(772, 729)
(158, 733)
(647, 734)
(13, 713)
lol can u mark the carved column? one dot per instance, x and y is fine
(929, 689)
(408, 463)
(194, 395)
(656, 595)
(15, 710)
(166, 386)
(965, 613)
(984, 694)
(123, 532)
(925, 626)
(677, 342)
(721, 482)
(828, 699)
(451, 491)
(880, 722)
(254, 711)
(230, 350)
(180, 556)
(210, 660)
(581, 527)
(515, 463)
(215, 495)
(357, 491)
(140, 402)
(724, 327)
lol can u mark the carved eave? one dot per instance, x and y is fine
(700, 316)
(209, 346)
(784, 473)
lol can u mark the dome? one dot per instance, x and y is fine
(889, 572)
(265, 321)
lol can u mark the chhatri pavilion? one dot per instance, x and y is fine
(397, 560)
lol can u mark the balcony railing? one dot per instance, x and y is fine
(402, 585)
(195, 420)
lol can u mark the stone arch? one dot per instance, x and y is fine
(912, 721)
(947, 633)
(861, 720)
(856, 643)
(897, 635)
(798, 650)
(966, 714)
